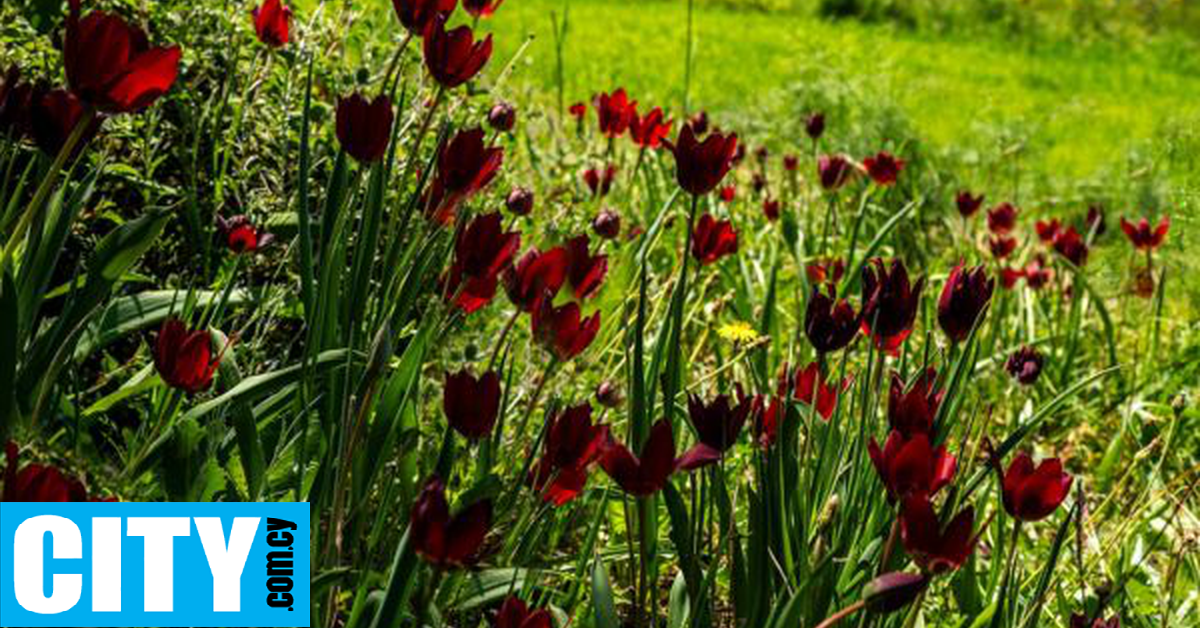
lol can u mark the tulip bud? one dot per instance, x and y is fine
(609, 395)
(519, 201)
(607, 224)
(893, 591)
(502, 117)
(815, 126)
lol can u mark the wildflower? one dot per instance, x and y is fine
(968, 203)
(471, 404)
(416, 15)
(834, 171)
(1002, 246)
(502, 117)
(241, 236)
(1025, 364)
(911, 466)
(465, 165)
(718, 425)
(454, 57)
(481, 8)
(936, 548)
(1032, 494)
(738, 332)
(364, 127)
(647, 473)
(913, 408)
(607, 224)
(770, 209)
(111, 66)
(271, 23)
(519, 201)
(183, 357)
(599, 183)
(446, 541)
(615, 112)
(650, 130)
(966, 294)
(808, 384)
(890, 303)
(38, 483)
(829, 324)
(1142, 236)
(514, 614)
(883, 168)
(562, 330)
(1070, 245)
(572, 444)
(481, 251)
(534, 275)
(585, 271)
(700, 166)
(713, 239)
(814, 126)
(1002, 218)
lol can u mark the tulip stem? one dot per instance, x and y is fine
(842, 614)
(890, 545)
(395, 62)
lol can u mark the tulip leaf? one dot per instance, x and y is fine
(1043, 583)
(852, 278)
(128, 314)
(250, 448)
(399, 584)
(9, 340)
(259, 386)
(602, 597)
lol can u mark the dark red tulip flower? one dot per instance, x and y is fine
(966, 294)
(607, 224)
(893, 591)
(481, 8)
(1094, 220)
(936, 548)
(563, 330)
(1031, 494)
(572, 444)
(111, 65)
(53, 118)
(1002, 246)
(364, 127)
(890, 303)
(465, 165)
(761, 154)
(718, 425)
(700, 166)
(535, 275)
(241, 236)
(416, 15)
(834, 171)
(579, 110)
(514, 614)
(808, 384)
(454, 57)
(913, 408)
(271, 22)
(609, 395)
(1036, 273)
(814, 126)
(502, 117)
(698, 122)
(446, 541)
(883, 168)
(648, 473)
(584, 270)
(471, 404)
(827, 270)
(650, 130)
(519, 201)
(968, 203)
(14, 104)
(770, 209)
(1070, 245)
(1025, 364)
(482, 251)
(600, 182)
(1142, 236)
(765, 417)
(38, 483)
(615, 112)
(791, 163)
(713, 239)
(1047, 229)
(911, 466)
(183, 357)
(1010, 276)
(1079, 620)
(758, 182)
(830, 324)
(1002, 218)
(728, 193)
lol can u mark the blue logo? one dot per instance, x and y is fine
(168, 564)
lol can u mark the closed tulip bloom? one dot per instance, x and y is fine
(650, 130)
(968, 203)
(808, 386)
(1036, 273)
(364, 127)
(563, 330)
(727, 193)
(584, 270)
(883, 168)
(53, 118)
(911, 466)
(700, 166)
(514, 614)
(446, 541)
(614, 112)
(1025, 364)
(647, 473)
(814, 126)
(416, 15)
(718, 425)
(481, 8)
(183, 357)
(607, 224)
(827, 270)
(770, 209)
(471, 404)
(578, 110)
(271, 23)
(830, 324)
(791, 163)
(913, 408)
(1071, 246)
(1047, 229)
(713, 239)
(572, 443)
(890, 303)
(1010, 276)
(502, 117)
(609, 395)
(482, 251)
(1002, 246)
(241, 236)
(936, 548)
(519, 201)
(966, 294)
(893, 591)
(1031, 494)
(699, 122)
(834, 171)
(38, 483)
(1002, 218)
(1142, 236)
(465, 165)
(534, 275)
(16, 103)
(599, 182)
(111, 66)
(454, 57)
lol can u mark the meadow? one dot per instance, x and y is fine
(860, 312)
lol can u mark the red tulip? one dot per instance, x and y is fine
(38, 483)
(16, 104)
(883, 168)
(698, 122)
(514, 614)
(454, 57)
(966, 294)
(241, 236)
(1047, 229)
(609, 395)
(934, 547)
(53, 118)
(727, 193)
(1010, 276)
(111, 66)
(718, 425)
(502, 117)
(446, 541)
(416, 15)
(700, 166)
(648, 473)
(1079, 620)
(584, 270)
(183, 357)
(562, 330)
(579, 110)
(890, 303)
(1025, 364)
(1032, 494)
(1070, 245)
(1094, 221)
(615, 112)
(758, 182)
(968, 203)
(534, 275)
(1037, 275)
(834, 171)
(911, 466)
(791, 163)
(825, 270)
(1002, 246)
(770, 209)
(1142, 236)
(913, 408)
(607, 224)
(481, 8)
(471, 405)
(600, 183)
(465, 165)
(271, 23)
(482, 250)
(830, 325)
(364, 127)
(713, 239)
(519, 201)
(650, 130)
(766, 417)
(808, 383)
(814, 126)
(572, 444)
(1002, 218)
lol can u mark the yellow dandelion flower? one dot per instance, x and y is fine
(738, 332)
